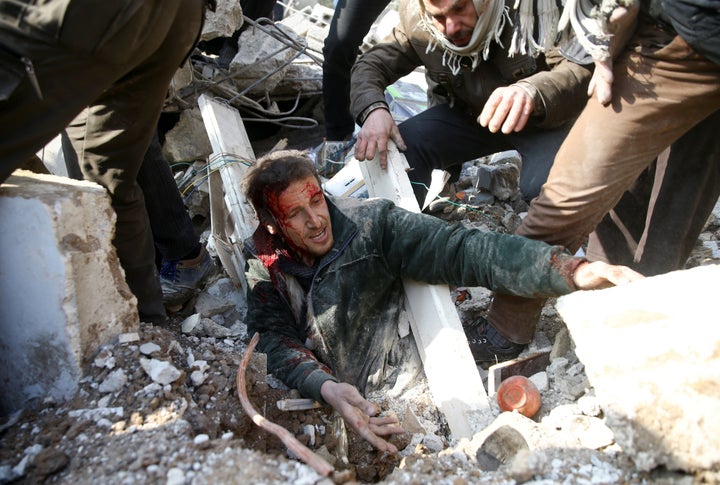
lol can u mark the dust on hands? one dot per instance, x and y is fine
(361, 415)
(598, 274)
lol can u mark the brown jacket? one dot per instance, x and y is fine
(559, 86)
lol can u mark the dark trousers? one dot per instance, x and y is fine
(349, 26)
(103, 72)
(443, 137)
(662, 88)
(658, 220)
(172, 228)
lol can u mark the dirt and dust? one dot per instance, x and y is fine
(130, 423)
(125, 427)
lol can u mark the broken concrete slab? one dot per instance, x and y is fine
(318, 30)
(62, 290)
(261, 61)
(233, 218)
(187, 141)
(651, 350)
(224, 21)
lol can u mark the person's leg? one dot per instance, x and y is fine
(444, 138)
(113, 134)
(537, 150)
(65, 78)
(616, 237)
(441, 138)
(184, 262)
(172, 229)
(658, 95)
(350, 24)
(692, 182)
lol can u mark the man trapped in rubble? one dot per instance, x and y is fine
(325, 281)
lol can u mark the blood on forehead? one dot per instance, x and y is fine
(293, 196)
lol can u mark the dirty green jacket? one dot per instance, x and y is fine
(558, 86)
(342, 323)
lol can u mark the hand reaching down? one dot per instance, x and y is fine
(507, 109)
(619, 27)
(376, 131)
(360, 414)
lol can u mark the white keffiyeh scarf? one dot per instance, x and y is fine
(490, 25)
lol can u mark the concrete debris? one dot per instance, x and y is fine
(223, 22)
(125, 338)
(104, 358)
(149, 348)
(658, 380)
(113, 382)
(190, 323)
(160, 371)
(57, 235)
(187, 140)
(262, 57)
(493, 177)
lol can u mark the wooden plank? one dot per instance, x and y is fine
(232, 217)
(523, 366)
(454, 381)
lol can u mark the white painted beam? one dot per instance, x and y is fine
(454, 381)
(232, 217)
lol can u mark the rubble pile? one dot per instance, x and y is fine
(161, 405)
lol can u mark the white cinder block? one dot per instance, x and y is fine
(62, 290)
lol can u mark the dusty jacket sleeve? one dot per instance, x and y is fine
(559, 93)
(381, 66)
(281, 337)
(433, 251)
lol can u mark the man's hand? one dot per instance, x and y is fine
(590, 276)
(508, 108)
(601, 81)
(373, 137)
(359, 414)
(620, 26)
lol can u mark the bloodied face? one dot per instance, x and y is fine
(302, 219)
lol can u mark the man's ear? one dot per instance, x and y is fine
(271, 229)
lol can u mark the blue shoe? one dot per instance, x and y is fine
(180, 279)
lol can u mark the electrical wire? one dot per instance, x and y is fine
(197, 178)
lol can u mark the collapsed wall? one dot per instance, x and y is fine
(62, 290)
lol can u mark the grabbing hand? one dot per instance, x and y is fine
(373, 137)
(360, 414)
(601, 81)
(620, 26)
(598, 274)
(508, 108)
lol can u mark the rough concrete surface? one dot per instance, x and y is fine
(160, 406)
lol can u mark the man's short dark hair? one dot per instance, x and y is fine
(273, 173)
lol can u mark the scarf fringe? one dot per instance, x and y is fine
(488, 29)
(490, 26)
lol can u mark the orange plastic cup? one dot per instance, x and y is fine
(518, 393)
